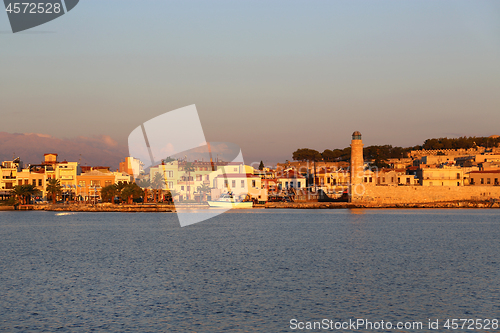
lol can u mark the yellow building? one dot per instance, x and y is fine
(444, 176)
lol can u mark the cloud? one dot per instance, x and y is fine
(93, 151)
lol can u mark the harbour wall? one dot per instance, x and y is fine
(383, 195)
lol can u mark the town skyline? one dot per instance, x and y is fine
(104, 151)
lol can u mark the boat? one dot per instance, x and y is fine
(227, 200)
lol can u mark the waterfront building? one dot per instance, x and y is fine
(8, 173)
(91, 183)
(291, 179)
(130, 164)
(485, 178)
(442, 176)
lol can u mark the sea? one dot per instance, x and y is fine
(260, 270)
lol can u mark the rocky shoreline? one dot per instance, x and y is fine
(369, 205)
(106, 208)
(270, 205)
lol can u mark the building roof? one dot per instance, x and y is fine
(97, 173)
(291, 174)
(237, 175)
(487, 171)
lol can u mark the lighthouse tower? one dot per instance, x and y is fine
(357, 166)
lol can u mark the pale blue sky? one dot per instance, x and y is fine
(270, 76)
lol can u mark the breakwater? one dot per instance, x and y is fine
(106, 207)
(371, 205)
(269, 205)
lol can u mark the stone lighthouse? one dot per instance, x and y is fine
(357, 167)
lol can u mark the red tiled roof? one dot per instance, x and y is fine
(237, 175)
(487, 171)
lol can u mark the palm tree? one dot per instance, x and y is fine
(145, 184)
(131, 191)
(171, 194)
(157, 185)
(119, 187)
(53, 187)
(204, 189)
(18, 192)
(30, 190)
(188, 168)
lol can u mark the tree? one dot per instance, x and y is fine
(168, 159)
(306, 154)
(170, 194)
(204, 189)
(157, 184)
(130, 192)
(145, 184)
(188, 168)
(54, 188)
(19, 192)
(30, 190)
(261, 165)
(109, 192)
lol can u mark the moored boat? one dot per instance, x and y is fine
(227, 200)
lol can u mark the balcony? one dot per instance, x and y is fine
(181, 182)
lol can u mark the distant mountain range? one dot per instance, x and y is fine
(30, 147)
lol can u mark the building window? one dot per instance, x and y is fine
(233, 183)
(488, 181)
(188, 188)
(81, 183)
(33, 182)
(458, 176)
(170, 174)
(383, 179)
(392, 179)
(198, 178)
(170, 185)
(207, 177)
(182, 188)
(366, 179)
(235, 169)
(482, 181)
(496, 181)
(399, 180)
(39, 182)
(242, 184)
(298, 184)
(226, 184)
(26, 181)
(253, 183)
(108, 183)
(371, 180)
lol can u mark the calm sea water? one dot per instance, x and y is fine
(245, 271)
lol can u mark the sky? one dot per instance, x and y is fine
(270, 76)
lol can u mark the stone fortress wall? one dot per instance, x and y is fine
(427, 194)
(453, 152)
